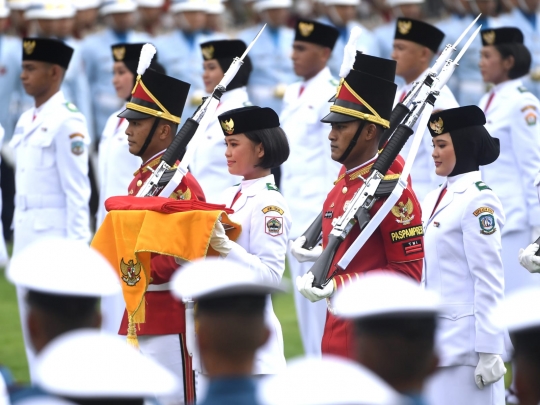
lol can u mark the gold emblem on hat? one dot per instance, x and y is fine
(489, 37)
(228, 126)
(29, 47)
(437, 126)
(305, 28)
(404, 27)
(119, 53)
(208, 52)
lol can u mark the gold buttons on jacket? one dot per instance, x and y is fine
(139, 183)
(344, 190)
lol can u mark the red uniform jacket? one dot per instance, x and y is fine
(397, 245)
(164, 314)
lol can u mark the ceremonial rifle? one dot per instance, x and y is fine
(375, 187)
(164, 178)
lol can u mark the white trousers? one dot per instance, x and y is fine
(311, 315)
(23, 314)
(455, 386)
(167, 350)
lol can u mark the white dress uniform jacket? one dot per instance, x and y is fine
(423, 174)
(209, 165)
(115, 164)
(182, 58)
(266, 221)
(272, 64)
(308, 175)
(463, 265)
(98, 64)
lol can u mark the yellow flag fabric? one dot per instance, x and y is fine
(127, 239)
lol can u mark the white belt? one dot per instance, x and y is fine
(159, 287)
(27, 202)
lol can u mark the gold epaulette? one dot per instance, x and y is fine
(361, 172)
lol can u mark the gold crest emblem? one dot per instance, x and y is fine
(489, 37)
(404, 27)
(119, 53)
(305, 28)
(403, 212)
(228, 126)
(29, 47)
(437, 126)
(130, 272)
(208, 52)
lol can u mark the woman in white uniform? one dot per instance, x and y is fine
(115, 164)
(255, 145)
(512, 115)
(463, 220)
(208, 165)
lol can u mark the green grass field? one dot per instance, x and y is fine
(12, 348)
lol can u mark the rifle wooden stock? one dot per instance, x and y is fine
(399, 113)
(313, 233)
(180, 142)
(321, 267)
(390, 152)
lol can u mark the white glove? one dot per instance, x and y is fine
(490, 369)
(304, 285)
(219, 240)
(305, 255)
(528, 259)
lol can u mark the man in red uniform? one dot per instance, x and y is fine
(153, 114)
(358, 117)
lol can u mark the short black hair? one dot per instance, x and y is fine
(242, 304)
(527, 344)
(522, 58)
(275, 144)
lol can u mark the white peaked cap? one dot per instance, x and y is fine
(520, 310)
(394, 3)
(382, 293)
(178, 6)
(4, 12)
(117, 6)
(50, 10)
(326, 381)
(215, 7)
(217, 277)
(341, 2)
(18, 4)
(151, 3)
(63, 267)
(261, 5)
(89, 364)
(86, 4)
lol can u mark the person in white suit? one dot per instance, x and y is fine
(50, 144)
(512, 113)
(309, 173)
(255, 144)
(463, 220)
(208, 165)
(415, 44)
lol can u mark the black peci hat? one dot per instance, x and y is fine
(365, 97)
(504, 35)
(473, 145)
(316, 33)
(420, 32)
(157, 95)
(380, 67)
(246, 119)
(130, 54)
(47, 50)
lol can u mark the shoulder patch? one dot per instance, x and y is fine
(487, 223)
(334, 82)
(480, 185)
(272, 187)
(71, 107)
(272, 208)
(530, 119)
(482, 210)
(523, 89)
(529, 107)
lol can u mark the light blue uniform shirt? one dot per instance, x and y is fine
(11, 91)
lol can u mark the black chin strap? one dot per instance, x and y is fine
(353, 142)
(149, 137)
